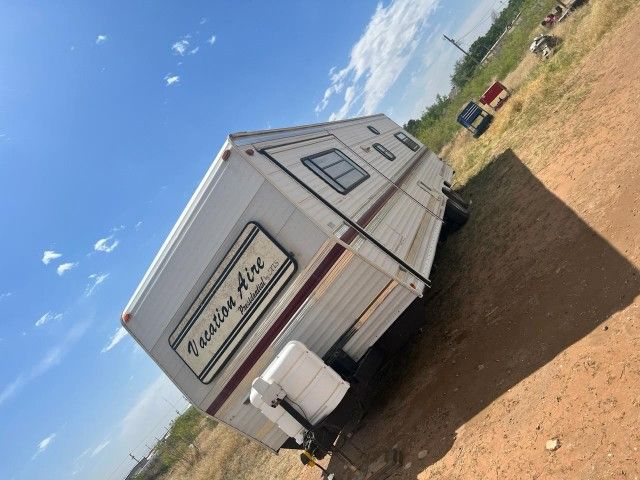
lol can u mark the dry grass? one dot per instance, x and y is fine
(227, 455)
(542, 90)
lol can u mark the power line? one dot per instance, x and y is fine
(487, 15)
(145, 439)
(455, 44)
(477, 25)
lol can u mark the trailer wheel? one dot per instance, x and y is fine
(455, 196)
(455, 215)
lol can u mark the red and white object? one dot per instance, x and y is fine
(495, 96)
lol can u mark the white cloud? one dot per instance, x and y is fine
(194, 51)
(118, 228)
(44, 444)
(138, 225)
(203, 20)
(335, 88)
(106, 245)
(77, 465)
(171, 79)
(77, 462)
(99, 448)
(65, 267)
(100, 39)
(5, 295)
(49, 255)
(95, 280)
(11, 389)
(115, 339)
(211, 40)
(52, 358)
(47, 317)
(378, 57)
(180, 47)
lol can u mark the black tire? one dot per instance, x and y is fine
(455, 215)
(455, 196)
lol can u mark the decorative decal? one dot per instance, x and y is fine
(252, 274)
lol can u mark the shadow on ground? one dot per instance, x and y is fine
(525, 279)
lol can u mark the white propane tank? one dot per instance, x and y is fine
(308, 384)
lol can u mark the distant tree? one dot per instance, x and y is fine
(430, 115)
(465, 67)
(412, 126)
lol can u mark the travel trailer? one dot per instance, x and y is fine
(299, 249)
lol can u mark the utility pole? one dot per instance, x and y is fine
(455, 44)
(172, 404)
(134, 458)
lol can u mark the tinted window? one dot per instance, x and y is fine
(338, 170)
(407, 141)
(384, 151)
(373, 129)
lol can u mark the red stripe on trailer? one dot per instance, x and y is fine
(305, 291)
(276, 328)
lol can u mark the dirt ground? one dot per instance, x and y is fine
(533, 324)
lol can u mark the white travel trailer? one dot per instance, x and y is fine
(298, 250)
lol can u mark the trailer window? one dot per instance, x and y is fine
(373, 129)
(386, 153)
(338, 170)
(407, 141)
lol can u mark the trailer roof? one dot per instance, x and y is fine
(245, 138)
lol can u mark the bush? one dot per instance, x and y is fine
(466, 66)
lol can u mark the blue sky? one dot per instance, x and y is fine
(110, 113)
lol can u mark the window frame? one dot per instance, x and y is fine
(321, 173)
(373, 129)
(384, 151)
(408, 142)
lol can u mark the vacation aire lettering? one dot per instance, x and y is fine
(247, 279)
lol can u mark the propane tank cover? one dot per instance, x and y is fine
(271, 392)
(311, 386)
